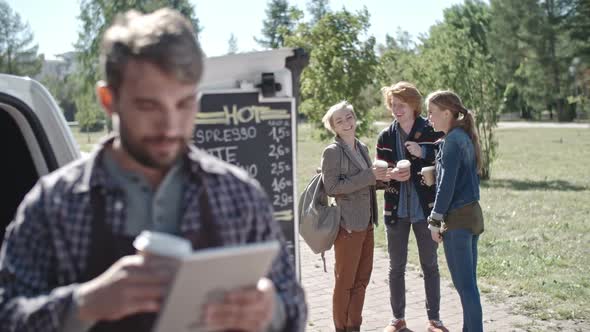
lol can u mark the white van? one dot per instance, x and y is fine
(34, 139)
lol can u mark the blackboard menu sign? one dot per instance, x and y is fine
(237, 127)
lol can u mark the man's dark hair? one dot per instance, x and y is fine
(164, 38)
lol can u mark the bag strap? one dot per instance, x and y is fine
(341, 158)
(319, 170)
(341, 148)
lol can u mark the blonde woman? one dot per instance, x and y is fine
(349, 176)
(456, 219)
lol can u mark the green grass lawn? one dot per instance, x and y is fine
(535, 252)
(536, 245)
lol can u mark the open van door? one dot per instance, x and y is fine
(248, 117)
(34, 139)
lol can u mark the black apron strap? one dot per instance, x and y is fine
(208, 234)
(105, 249)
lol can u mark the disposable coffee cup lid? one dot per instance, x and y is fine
(380, 163)
(403, 163)
(162, 244)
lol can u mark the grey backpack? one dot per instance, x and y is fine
(319, 222)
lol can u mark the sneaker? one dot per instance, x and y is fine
(395, 326)
(436, 326)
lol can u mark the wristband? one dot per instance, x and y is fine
(434, 229)
(434, 222)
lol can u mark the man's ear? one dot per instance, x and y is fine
(105, 97)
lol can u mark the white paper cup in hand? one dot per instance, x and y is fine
(428, 174)
(380, 164)
(403, 164)
(150, 243)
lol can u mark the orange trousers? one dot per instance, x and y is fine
(352, 270)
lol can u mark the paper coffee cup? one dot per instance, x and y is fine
(162, 244)
(403, 164)
(428, 174)
(380, 163)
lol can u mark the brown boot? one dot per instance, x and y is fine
(353, 329)
(396, 326)
(436, 326)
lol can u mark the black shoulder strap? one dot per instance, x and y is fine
(209, 235)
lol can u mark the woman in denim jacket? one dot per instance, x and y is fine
(456, 217)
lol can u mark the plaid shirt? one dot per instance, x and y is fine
(46, 246)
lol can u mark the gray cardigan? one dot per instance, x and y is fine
(351, 184)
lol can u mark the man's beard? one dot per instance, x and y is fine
(136, 150)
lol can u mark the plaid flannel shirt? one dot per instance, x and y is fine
(46, 245)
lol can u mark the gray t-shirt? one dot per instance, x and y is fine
(149, 209)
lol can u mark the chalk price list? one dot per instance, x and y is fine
(255, 137)
(279, 154)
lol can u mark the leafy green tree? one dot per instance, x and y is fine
(579, 28)
(520, 38)
(317, 9)
(398, 59)
(18, 52)
(516, 44)
(280, 22)
(508, 39)
(90, 117)
(456, 56)
(507, 45)
(554, 53)
(341, 64)
(532, 84)
(95, 17)
(533, 46)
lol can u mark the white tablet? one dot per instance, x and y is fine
(206, 274)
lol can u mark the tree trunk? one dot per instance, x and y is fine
(563, 115)
(563, 112)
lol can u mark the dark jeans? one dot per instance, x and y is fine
(397, 245)
(461, 253)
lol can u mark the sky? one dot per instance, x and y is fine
(55, 23)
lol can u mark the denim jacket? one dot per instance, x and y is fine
(457, 181)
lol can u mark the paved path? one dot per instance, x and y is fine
(318, 286)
